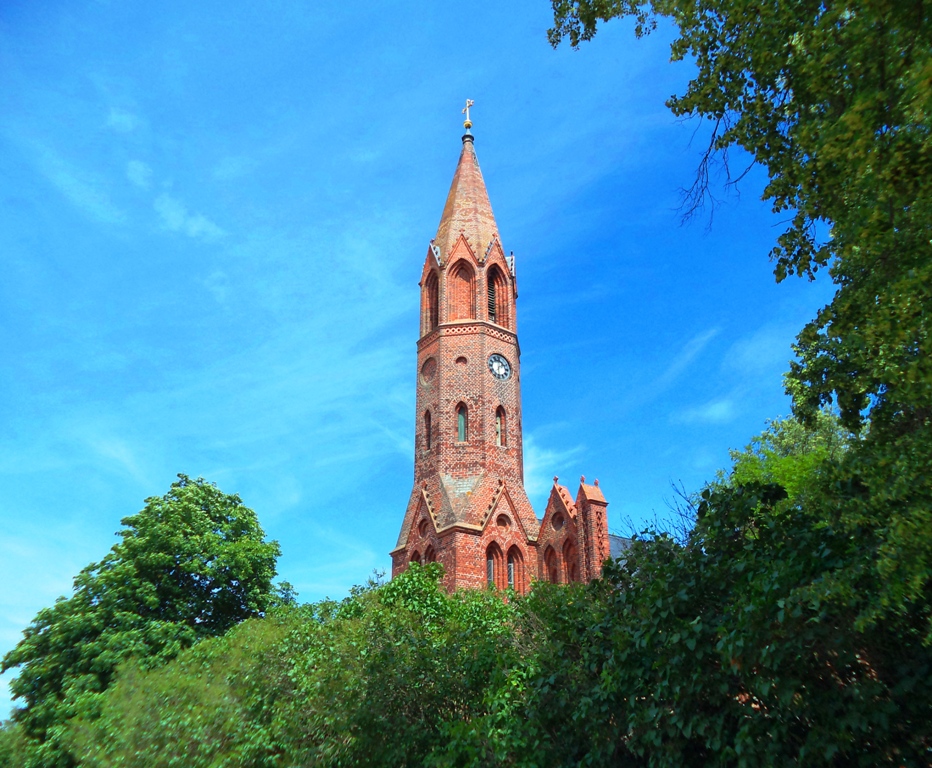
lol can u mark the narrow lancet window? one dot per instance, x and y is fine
(494, 566)
(515, 565)
(551, 566)
(431, 303)
(427, 429)
(570, 561)
(462, 424)
(492, 306)
(501, 435)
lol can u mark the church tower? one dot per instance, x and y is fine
(468, 508)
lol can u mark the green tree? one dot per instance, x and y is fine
(741, 647)
(790, 454)
(834, 99)
(376, 680)
(190, 565)
(12, 745)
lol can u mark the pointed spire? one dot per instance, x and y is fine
(467, 210)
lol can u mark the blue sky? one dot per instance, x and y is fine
(213, 221)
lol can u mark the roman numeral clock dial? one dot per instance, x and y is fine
(500, 367)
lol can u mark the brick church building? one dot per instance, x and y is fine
(468, 509)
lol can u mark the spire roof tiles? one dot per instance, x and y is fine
(467, 210)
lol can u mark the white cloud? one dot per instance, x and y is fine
(175, 217)
(122, 121)
(121, 453)
(218, 284)
(139, 173)
(541, 464)
(80, 187)
(690, 351)
(230, 168)
(719, 411)
(765, 349)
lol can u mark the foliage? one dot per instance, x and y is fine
(190, 565)
(790, 454)
(12, 745)
(834, 99)
(745, 645)
(741, 647)
(372, 681)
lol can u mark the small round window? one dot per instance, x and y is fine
(422, 528)
(503, 521)
(428, 370)
(558, 522)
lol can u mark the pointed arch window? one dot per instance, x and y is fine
(462, 423)
(497, 296)
(430, 555)
(427, 430)
(516, 570)
(494, 566)
(416, 557)
(501, 427)
(551, 566)
(571, 561)
(430, 299)
(461, 292)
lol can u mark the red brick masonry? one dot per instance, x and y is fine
(468, 508)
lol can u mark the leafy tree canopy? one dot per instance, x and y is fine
(788, 454)
(740, 647)
(191, 564)
(375, 680)
(834, 99)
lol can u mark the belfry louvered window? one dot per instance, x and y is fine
(431, 307)
(498, 303)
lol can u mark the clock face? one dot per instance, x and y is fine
(500, 367)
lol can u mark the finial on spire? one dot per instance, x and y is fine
(582, 479)
(467, 123)
(556, 479)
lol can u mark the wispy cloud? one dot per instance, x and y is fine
(122, 121)
(540, 464)
(765, 349)
(720, 411)
(234, 167)
(122, 454)
(687, 354)
(139, 174)
(176, 218)
(218, 283)
(82, 188)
